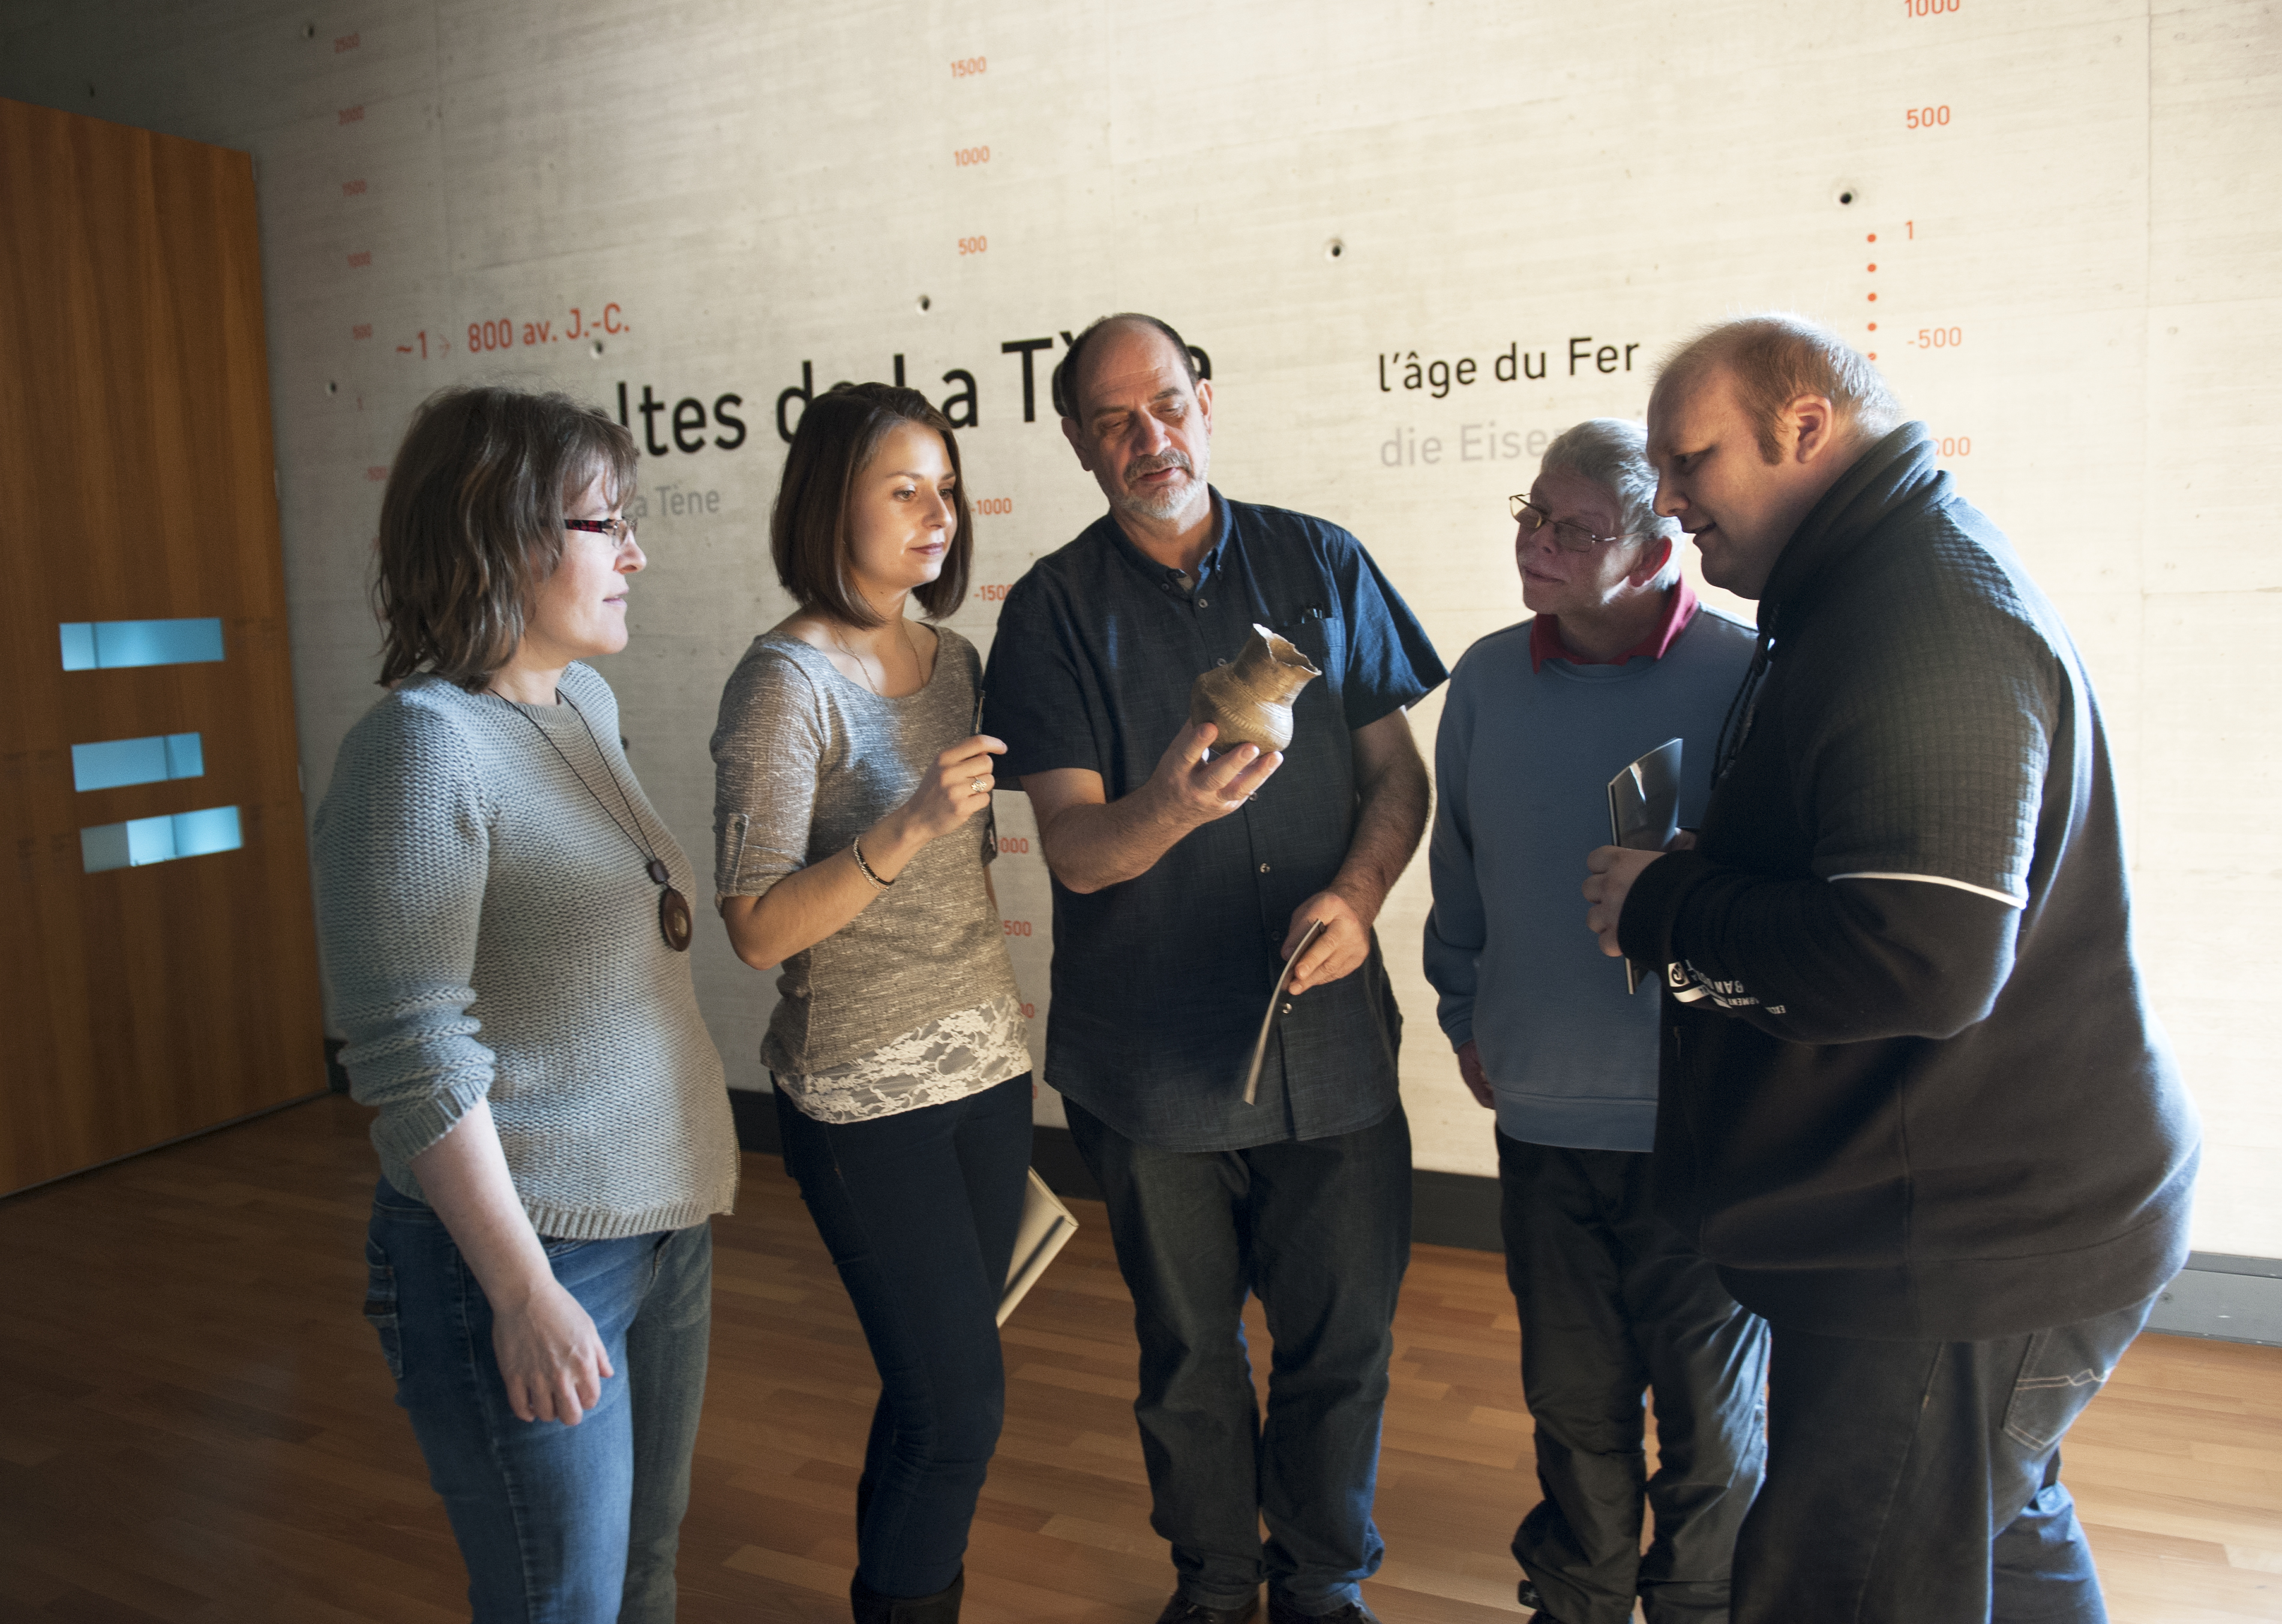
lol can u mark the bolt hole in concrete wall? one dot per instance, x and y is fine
(2055, 190)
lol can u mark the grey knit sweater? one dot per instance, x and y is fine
(804, 762)
(468, 882)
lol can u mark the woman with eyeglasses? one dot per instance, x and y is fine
(850, 835)
(506, 930)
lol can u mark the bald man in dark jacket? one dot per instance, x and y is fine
(1914, 1104)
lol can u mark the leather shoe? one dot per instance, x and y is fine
(1526, 1593)
(1281, 1611)
(1181, 1610)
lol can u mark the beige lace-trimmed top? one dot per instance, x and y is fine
(914, 1002)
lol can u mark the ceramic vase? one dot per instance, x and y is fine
(1249, 699)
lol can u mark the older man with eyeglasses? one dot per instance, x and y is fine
(1618, 657)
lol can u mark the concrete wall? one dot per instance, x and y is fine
(2059, 217)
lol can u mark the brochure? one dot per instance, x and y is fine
(1045, 1229)
(1267, 1021)
(1644, 812)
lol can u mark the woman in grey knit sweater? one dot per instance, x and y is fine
(506, 930)
(848, 850)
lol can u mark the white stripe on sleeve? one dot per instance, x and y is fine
(2006, 897)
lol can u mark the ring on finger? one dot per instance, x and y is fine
(980, 786)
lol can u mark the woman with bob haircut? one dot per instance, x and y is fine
(847, 778)
(506, 932)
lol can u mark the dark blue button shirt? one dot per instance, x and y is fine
(1160, 983)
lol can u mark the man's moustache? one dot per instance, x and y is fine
(1158, 465)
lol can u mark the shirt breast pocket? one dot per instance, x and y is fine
(1320, 637)
(1315, 632)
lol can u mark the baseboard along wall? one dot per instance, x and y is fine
(2218, 1295)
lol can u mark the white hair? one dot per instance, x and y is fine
(1612, 452)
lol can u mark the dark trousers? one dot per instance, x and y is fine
(1319, 1229)
(1919, 1482)
(920, 1211)
(1614, 1303)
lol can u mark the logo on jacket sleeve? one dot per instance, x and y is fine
(1690, 984)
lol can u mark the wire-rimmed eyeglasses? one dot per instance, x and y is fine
(1569, 536)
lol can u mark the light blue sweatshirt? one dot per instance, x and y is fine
(1522, 764)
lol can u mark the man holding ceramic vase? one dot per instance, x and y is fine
(1188, 869)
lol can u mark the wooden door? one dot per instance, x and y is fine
(151, 999)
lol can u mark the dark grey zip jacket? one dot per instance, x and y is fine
(1910, 1086)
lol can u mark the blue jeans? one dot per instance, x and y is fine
(1319, 1229)
(920, 1211)
(558, 1525)
(1918, 1481)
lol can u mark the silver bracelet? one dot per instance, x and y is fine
(855, 849)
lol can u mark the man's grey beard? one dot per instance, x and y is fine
(1172, 505)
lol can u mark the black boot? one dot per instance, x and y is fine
(873, 1608)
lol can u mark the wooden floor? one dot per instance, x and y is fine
(198, 1425)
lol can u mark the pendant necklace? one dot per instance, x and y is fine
(674, 922)
(901, 625)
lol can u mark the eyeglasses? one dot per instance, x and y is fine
(619, 531)
(1569, 537)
